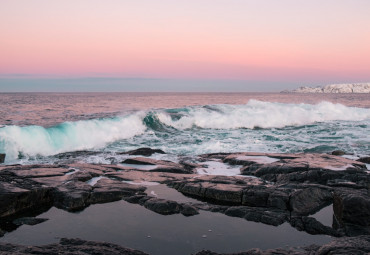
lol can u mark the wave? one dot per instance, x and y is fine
(32, 141)
(68, 136)
(258, 114)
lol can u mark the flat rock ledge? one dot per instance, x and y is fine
(271, 189)
(345, 245)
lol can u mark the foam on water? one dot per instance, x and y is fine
(258, 114)
(68, 136)
(218, 168)
(255, 126)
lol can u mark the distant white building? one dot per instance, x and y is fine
(336, 88)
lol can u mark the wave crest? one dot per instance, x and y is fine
(258, 114)
(68, 136)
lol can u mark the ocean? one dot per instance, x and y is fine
(38, 127)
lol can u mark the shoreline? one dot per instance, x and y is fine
(271, 189)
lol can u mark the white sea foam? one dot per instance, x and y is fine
(258, 159)
(68, 136)
(264, 115)
(218, 168)
(95, 180)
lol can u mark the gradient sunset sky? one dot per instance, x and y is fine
(168, 45)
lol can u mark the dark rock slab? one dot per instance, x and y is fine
(352, 207)
(340, 246)
(346, 245)
(75, 154)
(2, 157)
(188, 210)
(70, 247)
(28, 221)
(309, 200)
(72, 196)
(271, 217)
(19, 195)
(107, 190)
(338, 153)
(144, 152)
(313, 227)
(162, 206)
(365, 160)
(161, 165)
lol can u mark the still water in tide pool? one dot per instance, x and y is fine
(134, 226)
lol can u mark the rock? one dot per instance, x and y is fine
(162, 206)
(312, 226)
(72, 196)
(352, 207)
(70, 247)
(346, 245)
(188, 210)
(309, 200)
(271, 217)
(365, 160)
(75, 154)
(28, 221)
(338, 153)
(340, 246)
(107, 190)
(2, 158)
(144, 152)
(17, 197)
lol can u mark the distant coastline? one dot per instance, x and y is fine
(334, 88)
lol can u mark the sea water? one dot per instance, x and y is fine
(36, 126)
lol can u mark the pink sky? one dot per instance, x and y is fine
(192, 39)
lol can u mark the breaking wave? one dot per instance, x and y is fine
(68, 136)
(258, 114)
(172, 124)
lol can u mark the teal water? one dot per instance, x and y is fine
(256, 125)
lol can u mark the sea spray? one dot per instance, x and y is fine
(255, 126)
(68, 136)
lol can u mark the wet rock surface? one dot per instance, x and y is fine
(144, 152)
(70, 247)
(345, 245)
(272, 189)
(2, 158)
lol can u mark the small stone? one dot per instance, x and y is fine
(204, 236)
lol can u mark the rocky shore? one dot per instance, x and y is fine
(271, 188)
(335, 88)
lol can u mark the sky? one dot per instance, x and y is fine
(190, 45)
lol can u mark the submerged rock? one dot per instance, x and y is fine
(28, 221)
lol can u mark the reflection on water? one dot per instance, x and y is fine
(134, 226)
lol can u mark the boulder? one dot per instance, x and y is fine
(352, 207)
(2, 158)
(144, 152)
(162, 206)
(309, 200)
(365, 160)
